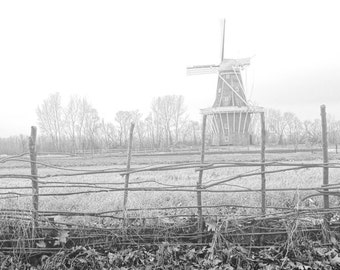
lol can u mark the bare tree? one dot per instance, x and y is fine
(50, 118)
(157, 125)
(123, 118)
(179, 117)
(13, 145)
(73, 127)
(195, 125)
(161, 108)
(294, 128)
(333, 130)
(91, 126)
(150, 131)
(312, 131)
(276, 125)
(23, 142)
(109, 134)
(169, 115)
(136, 117)
(72, 117)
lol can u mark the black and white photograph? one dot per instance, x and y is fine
(169, 134)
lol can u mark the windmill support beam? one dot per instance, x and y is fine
(245, 122)
(234, 122)
(215, 125)
(239, 122)
(238, 79)
(251, 122)
(227, 116)
(221, 97)
(223, 128)
(211, 127)
(232, 89)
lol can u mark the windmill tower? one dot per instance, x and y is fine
(230, 116)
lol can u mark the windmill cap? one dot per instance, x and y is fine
(229, 64)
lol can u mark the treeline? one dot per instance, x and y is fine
(77, 127)
(287, 129)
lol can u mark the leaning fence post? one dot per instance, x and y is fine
(263, 160)
(325, 155)
(34, 173)
(127, 175)
(200, 177)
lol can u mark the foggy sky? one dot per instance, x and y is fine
(122, 55)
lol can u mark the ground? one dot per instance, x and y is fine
(99, 202)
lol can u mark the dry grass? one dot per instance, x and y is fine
(99, 202)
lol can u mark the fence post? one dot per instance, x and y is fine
(325, 154)
(263, 168)
(200, 177)
(34, 173)
(127, 175)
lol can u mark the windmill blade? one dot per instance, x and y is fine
(205, 69)
(222, 46)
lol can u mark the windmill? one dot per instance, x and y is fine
(230, 116)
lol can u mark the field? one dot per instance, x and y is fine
(109, 201)
(100, 206)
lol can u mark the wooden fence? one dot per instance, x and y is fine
(266, 168)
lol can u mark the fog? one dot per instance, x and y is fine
(121, 55)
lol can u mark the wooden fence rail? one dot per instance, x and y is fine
(39, 181)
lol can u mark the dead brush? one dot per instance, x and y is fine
(291, 227)
(12, 262)
(218, 241)
(221, 249)
(160, 226)
(16, 232)
(299, 246)
(57, 261)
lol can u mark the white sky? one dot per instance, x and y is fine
(121, 54)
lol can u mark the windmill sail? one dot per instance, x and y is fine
(223, 36)
(204, 69)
